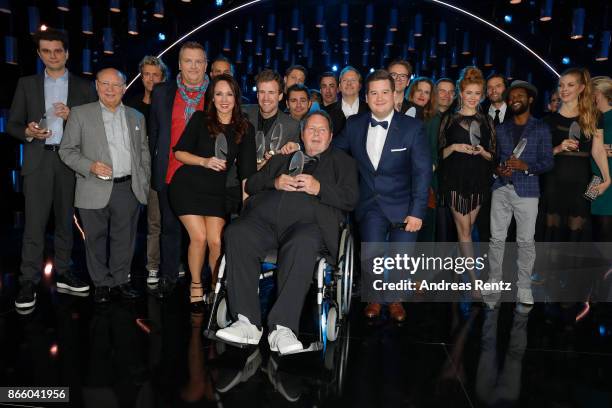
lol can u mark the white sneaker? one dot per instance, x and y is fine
(241, 331)
(524, 296)
(284, 341)
(152, 279)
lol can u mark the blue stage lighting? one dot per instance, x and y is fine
(566, 60)
(334, 68)
(508, 18)
(161, 37)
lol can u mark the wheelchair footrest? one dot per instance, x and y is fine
(211, 335)
(314, 346)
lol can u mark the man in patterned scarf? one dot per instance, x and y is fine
(172, 104)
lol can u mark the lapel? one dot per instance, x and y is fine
(98, 128)
(40, 90)
(131, 123)
(391, 133)
(172, 88)
(363, 141)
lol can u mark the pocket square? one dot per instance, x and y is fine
(137, 128)
(401, 149)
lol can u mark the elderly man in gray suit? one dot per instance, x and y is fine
(105, 143)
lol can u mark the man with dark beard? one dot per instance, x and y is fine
(516, 191)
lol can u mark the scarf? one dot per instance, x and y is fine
(192, 103)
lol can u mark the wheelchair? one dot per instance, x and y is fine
(334, 290)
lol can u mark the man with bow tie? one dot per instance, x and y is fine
(394, 161)
(105, 143)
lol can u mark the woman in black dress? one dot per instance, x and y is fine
(566, 208)
(197, 190)
(466, 168)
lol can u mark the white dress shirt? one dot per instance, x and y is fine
(117, 135)
(350, 109)
(377, 135)
(502, 112)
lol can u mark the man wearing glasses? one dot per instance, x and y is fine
(105, 143)
(400, 71)
(47, 182)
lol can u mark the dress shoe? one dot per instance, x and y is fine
(164, 287)
(71, 282)
(372, 310)
(127, 291)
(397, 312)
(102, 294)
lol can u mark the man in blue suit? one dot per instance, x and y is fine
(395, 170)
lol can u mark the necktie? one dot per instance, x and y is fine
(375, 123)
(496, 121)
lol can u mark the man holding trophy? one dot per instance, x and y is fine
(525, 151)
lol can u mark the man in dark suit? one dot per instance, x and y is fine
(394, 160)
(328, 84)
(350, 85)
(106, 145)
(172, 104)
(297, 215)
(47, 181)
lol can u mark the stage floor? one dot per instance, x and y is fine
(151, 353)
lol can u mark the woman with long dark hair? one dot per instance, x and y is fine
(197, 190)
(422, 97)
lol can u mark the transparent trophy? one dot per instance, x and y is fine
(221, 148)
(260, 142)
(574, 131)
(296, 165)
(520, 148)
(276, 138)
(474, 134)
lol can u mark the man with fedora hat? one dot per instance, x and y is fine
(525, 150)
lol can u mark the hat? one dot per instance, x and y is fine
(531, 90)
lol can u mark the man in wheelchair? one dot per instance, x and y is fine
(300, 217)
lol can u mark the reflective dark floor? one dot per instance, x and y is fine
(151, 353)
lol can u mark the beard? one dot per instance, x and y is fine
(522, 108)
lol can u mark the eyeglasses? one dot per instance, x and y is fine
(114, 85)
(396, 75)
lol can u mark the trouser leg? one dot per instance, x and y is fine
(247, 241)
(526, 214)
(124, 212)
(501, 215)
(95, 225)
(38, 193)
(301, 244)
(170, 239)
(63, 206)
(153, 231)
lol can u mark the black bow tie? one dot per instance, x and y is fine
(374, 123)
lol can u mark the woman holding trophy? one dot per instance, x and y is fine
(212, 141)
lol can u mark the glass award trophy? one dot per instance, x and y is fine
(474, 134)
(260, 142)
(276, 138)
(221, 147)
(574, 131)
(296, 165)
(520, 148)
(411, 112)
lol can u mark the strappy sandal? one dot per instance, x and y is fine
(198, 298)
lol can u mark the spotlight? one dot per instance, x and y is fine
(53, 350)
(334, 68)
(43, 27)
(48, 268)
(508, 18)
(254, 89)
(218, 3)
(161, 37)
(565, 60)
(371, 69)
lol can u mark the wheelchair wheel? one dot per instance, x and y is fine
(347, 275)
(332, 323)
(222, 314)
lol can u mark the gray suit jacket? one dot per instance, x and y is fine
(291, 127)
(29, 106)
(85, 142)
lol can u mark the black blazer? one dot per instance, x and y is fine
(29, 106)
(160, 125)
(291, 126)
(334, 110)
(337, 174)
